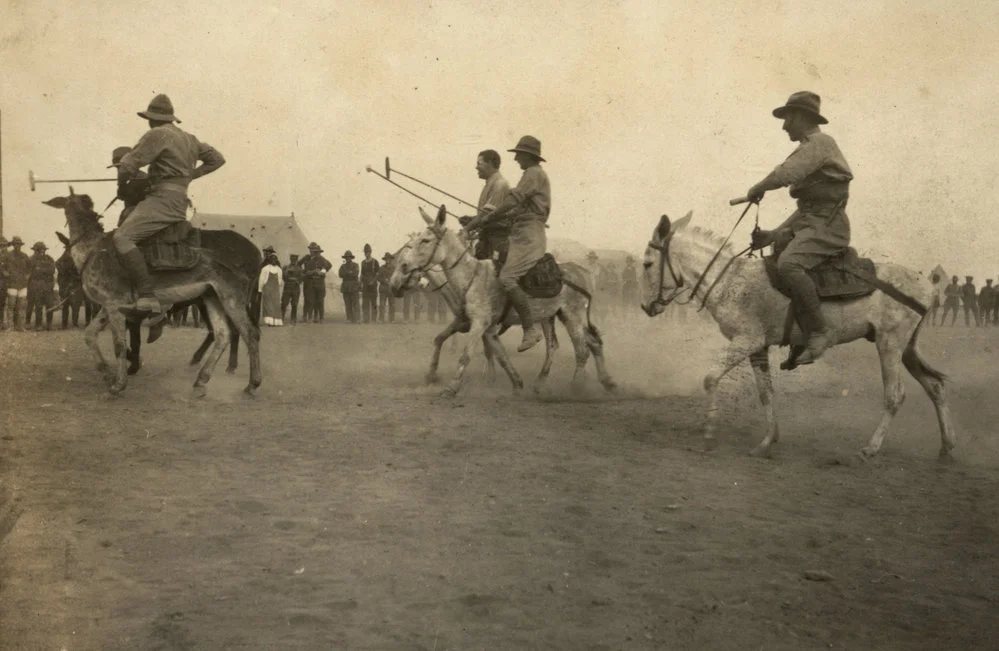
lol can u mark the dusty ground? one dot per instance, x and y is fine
(348, 507)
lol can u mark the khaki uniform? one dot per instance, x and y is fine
(41, 287)
(494, 237)
(369, 289)
(350, 287)
(172, 155)
(528, 242)
(314, 268)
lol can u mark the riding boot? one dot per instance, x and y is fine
(135, 265)
(532, 333)
(808, 306)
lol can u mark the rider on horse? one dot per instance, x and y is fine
(819, 178)
(528, 206)
(493, 238)
(172, 156)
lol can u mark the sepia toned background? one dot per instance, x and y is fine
(642, 108)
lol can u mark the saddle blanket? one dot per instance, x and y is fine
(833, 278)
(175, 248)
(544, 280)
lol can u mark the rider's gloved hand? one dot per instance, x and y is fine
(755, 194)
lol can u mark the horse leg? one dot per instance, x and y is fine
(735, 353)
(94, 328)
(494, 347)
(219, 321)
(134, 346)
(475, 335)
(932, 382)
(490, 359)
(890, 352)
(233, 352)
(233, 302)
(577, 334)
(760, 361)
(551, 346)
(439, 340)
(119, 331)
(596, 345)
(203, 348)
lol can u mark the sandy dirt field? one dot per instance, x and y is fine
(350, 507)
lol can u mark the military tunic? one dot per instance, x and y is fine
(350, 287)
(314, 268)
(369, 289)
(819, 178)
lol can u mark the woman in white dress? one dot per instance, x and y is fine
(270, 285)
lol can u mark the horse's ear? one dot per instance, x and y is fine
(441, 216)
(62, 238)
(662, 230)
(56, 202)
(427, 218)
(71, 193)
(683, 221)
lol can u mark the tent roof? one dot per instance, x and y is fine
(280, 231)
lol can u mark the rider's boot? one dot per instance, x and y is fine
(806, 302)
(135, 264)
(532, 333)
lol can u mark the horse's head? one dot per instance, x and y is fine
(79, 210)
(423, 251)
(662, 279)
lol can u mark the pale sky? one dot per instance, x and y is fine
(642, 108)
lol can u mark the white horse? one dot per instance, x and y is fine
(752, 315)
(480, 300)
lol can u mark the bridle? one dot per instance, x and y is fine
(664, 264)
(430, 263)
(678, 288)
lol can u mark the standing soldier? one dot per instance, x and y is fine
(386, 302)
(612, 289)
(952, 300)
(18, 271)
(969, 298)
(314, 269)
(985, 301)
(935, 293)
(412, 299)
(292, 275)
(369, 286)
(70, 288)
(3, 280)
(629, 285)
(41, 285)
(350, 287)
(599, 304)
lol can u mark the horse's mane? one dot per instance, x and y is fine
(710, 238)
(86, 205)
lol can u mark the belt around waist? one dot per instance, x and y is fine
(821, 204)
(167, 185)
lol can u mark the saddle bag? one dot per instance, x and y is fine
(175, 248)
(544, 280)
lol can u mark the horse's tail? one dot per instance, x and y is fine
(914, 360)
(589, 302)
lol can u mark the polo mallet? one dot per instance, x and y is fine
(405, 189)
(388, 175)
(32, 180)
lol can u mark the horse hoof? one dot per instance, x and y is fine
(761, 452)
(134, 368)
(198, 392)
(110, 395)
(610, 386)
(868, 453)
(945, 456)
(231, 370)
(431, 378)
(250, 391)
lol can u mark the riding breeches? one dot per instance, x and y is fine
(528, 244)
(161, 208)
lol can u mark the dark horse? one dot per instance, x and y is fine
(230, 245)
(225, 290)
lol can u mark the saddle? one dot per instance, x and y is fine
(836, 279)
(175, 248)
(544, 280)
